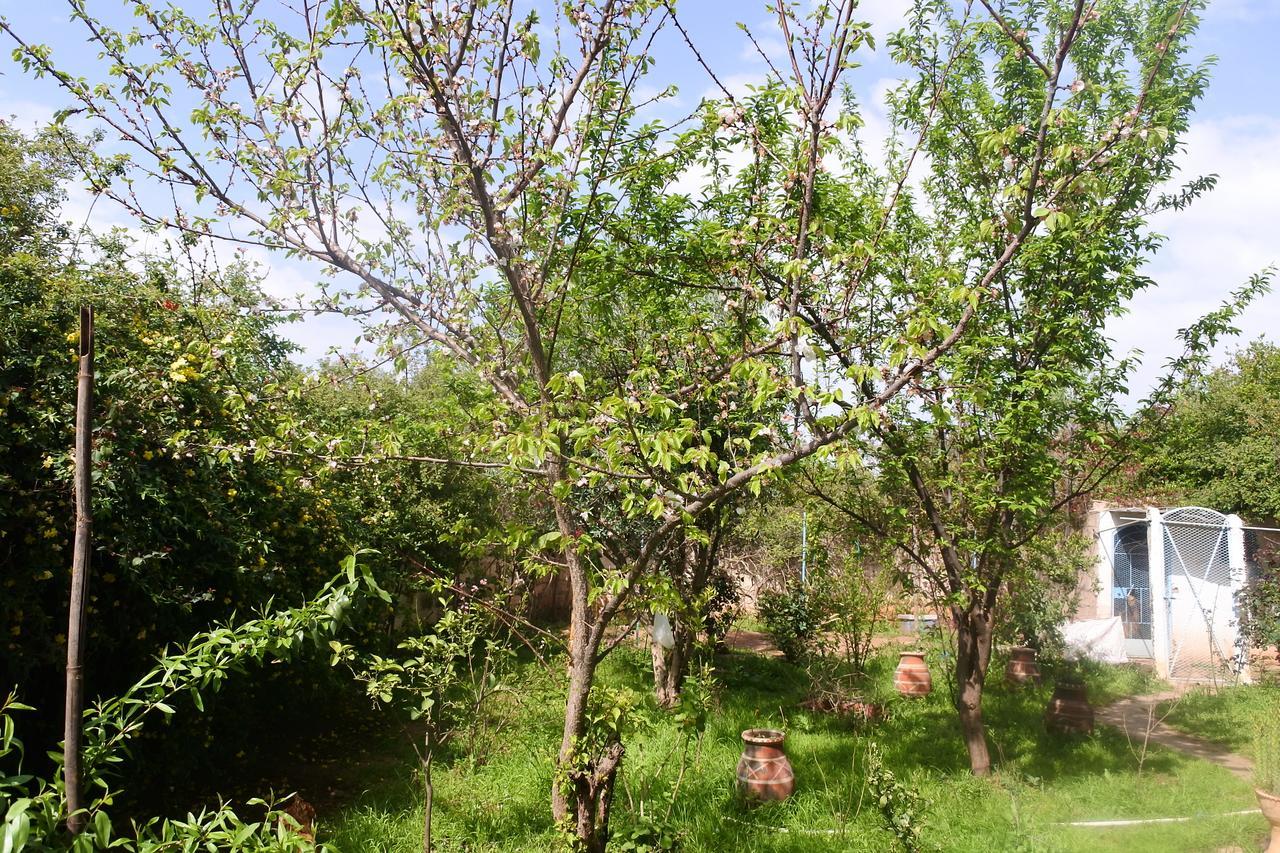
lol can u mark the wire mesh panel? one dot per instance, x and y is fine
(1131, 597)
(1198, 595)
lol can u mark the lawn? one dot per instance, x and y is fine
(1224, 715)
(500, 801)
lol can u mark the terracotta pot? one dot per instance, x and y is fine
(867, 712)
(1270, 804)
(912, 676)
(764, 773)
(1069, 711)
(1022, 668)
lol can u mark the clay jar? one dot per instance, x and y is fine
(764, 773)
(912, 676)
(1270, 804)
(1069, 711)
(1022, 668)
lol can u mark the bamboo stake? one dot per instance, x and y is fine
(76, 818)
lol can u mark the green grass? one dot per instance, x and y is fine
(500, 803)
(1226, 715)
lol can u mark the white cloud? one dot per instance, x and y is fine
(884, 16)
(1213, 246)
(23, 114)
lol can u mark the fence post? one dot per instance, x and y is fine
(73, 720)
(1236, 559)
(1160, 627)
(1105, 540)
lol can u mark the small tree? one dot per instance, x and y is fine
(36, 808)
(435, 681)
(972, 476)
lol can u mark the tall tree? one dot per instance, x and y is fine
(484, 177)
(1221, 444)
(1024, 411)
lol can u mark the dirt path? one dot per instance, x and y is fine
(1136, 715)
(751, 641)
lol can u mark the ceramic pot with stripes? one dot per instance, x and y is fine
(1069, 711)
(764, 773)
(1022, 668)
(912, 676)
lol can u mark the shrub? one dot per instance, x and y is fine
(1043, 597)
(1259, 608)
(899, 805)
(788, 616)
(849, 603)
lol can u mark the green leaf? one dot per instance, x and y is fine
(102, 828)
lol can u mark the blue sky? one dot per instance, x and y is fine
(1212, 248)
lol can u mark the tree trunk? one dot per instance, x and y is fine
(583, 787)
(671, 665)
(973, 656)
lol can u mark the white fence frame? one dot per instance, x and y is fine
(1109, 523)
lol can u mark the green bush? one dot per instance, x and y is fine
(1259, 603)
(899, 805)
(789, 618)
(222, 475)
(1043, 596)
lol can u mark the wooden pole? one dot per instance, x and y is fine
(76, 818)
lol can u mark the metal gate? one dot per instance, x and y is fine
(1199, 600)
(1131, 597)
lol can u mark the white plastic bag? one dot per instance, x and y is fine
(662, 633)
(1097, 639)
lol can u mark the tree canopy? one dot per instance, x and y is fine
(1221, 446)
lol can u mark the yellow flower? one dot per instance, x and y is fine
(231, 493)
(147, 454)
(60, 638)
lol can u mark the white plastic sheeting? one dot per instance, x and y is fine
(662, 633)
(1097, 639)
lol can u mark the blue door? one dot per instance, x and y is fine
(1131, 589)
